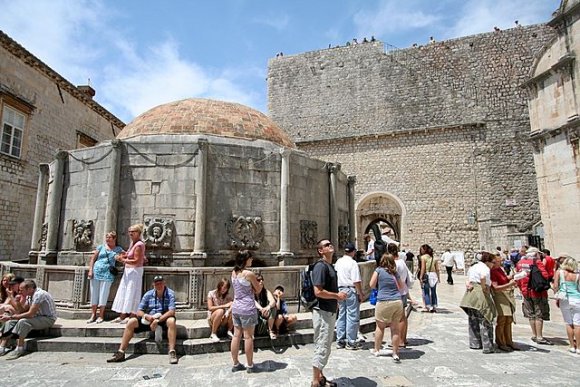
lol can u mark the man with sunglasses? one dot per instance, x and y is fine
(325, 283)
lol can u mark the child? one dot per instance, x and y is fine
(284, 320)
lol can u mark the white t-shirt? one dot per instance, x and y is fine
(388, 240)
(347, 271)
(479, 271)
(448, 259)
(403, 272)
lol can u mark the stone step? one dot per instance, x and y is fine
(145, 345)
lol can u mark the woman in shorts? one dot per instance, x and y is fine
(219, 303)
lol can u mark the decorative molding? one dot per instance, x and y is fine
(308, 234)
(82, 234)
(158, 233)
(245, 232)
(343, 235)
(43, 235)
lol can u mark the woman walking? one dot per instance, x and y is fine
(244, 311)
(429, 276)
(389, 307)
(566, 283)
(129, 293)
(102, 260)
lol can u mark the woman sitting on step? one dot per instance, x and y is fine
(219, 304)
(266, 305)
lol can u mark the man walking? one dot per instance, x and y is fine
(156, 313)
(325, 284)
(535, 305)
(41, 314)
(449, 262)
(349, 282)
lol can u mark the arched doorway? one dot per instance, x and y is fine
(383, 208)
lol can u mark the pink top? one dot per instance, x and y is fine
(131, 254)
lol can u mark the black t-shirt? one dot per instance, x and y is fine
(324, 275)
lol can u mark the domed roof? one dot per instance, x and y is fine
(205, 116)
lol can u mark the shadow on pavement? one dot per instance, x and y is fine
(269, 366)
(418, 342)
(358, 382)
(410, 354)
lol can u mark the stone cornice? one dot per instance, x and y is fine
(29, 59)
(566, 60)
(572, 127)
(401, 132)
(560, 16)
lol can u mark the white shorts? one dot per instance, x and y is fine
(571, 311)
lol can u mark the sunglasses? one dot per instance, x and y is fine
(327, 244)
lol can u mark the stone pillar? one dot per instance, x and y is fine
(333, 169)
(351, 213)
(114, 184)
(40, 207)
(284, 254)
(200, 202)
(55, 200)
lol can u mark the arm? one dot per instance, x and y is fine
(257, 286)
(92, 263)
(359, 291)
(29, 314)
(319, 292)
(211, 307)
(497, 287)
(422, 269)
(374, 280)
(484, 285)
(437, 270)
(556, 283)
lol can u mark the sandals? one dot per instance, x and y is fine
(543, 341)
(117, 320)
(324, 382)
(273, 335)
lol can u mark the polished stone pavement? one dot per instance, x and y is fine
(438, 356)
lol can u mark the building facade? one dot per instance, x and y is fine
(554, 103)
(41, 112)
(437, 135)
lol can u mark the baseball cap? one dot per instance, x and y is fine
(349, 247)
(158, 278)
(16, 280)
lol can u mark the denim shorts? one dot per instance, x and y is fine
(245, 321)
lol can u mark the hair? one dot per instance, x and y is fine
(241, 260)
(319, 246)
(367, 237)
(279, 287)
(498, 248)
(112, 234)
(569, 264)
(388, 263)
(221, 283)
(29, 284)
(262, 297)
(3, 290)
(137, 227)
(426, 249)
(545, 251)
(393, 249)
(486, 256)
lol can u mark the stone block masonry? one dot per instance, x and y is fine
(443, 128)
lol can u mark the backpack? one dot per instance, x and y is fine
(537, 282)
(380, 244)
(307, 297)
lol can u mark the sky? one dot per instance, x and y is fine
(138, 54)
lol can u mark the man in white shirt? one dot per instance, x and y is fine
(349, 282)
(449, 262)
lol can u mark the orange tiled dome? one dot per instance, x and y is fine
(205, 116)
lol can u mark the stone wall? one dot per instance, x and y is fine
(442, 127)
(56, 113)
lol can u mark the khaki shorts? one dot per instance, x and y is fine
(536, 309)
(389, 311)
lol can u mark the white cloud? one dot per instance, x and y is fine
(393, 16)
(278, 22)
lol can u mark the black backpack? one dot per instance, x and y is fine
(380, 244)
(537, 282)
(307, 297)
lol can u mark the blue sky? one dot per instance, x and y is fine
(140, 53)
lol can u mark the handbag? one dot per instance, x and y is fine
(112, 268)
(373, 296)
(425, 277)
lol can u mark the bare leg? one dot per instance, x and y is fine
(128, 333)
(216, 320)
(102, 312)
(576, 336)
(93, 312)
(539, 328)
(395, 337)
(379, 333)
(403, 329)
(249, 345)
(533, 326)
(171, 333)
(235, 345)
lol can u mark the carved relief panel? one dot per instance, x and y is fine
(82, 234)
(158, 232)
(343, 235)
(308, 234)
(245, 232)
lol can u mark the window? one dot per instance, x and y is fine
(12, 129)
(84, 141)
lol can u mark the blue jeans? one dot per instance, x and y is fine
(348, 317)
(430, 295)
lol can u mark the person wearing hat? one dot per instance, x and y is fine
(156, 313)
(349, 282)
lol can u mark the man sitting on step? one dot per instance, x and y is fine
(41, 314)
(156, 313)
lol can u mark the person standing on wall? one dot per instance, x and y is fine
(448, 260)
(349, 282)
(325, 283)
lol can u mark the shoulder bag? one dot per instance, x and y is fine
(112, 268)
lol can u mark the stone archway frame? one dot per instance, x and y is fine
(393, 205)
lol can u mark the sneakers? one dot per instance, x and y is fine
(252, 369)
(172, 357)
(571, 350)
(118, 357)
(92, 320)
(238, 367)
(382, 352)
(396, 358)
(99, 320)
(353, 346)
(15, 355)
(340, 345)
(214, 338)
